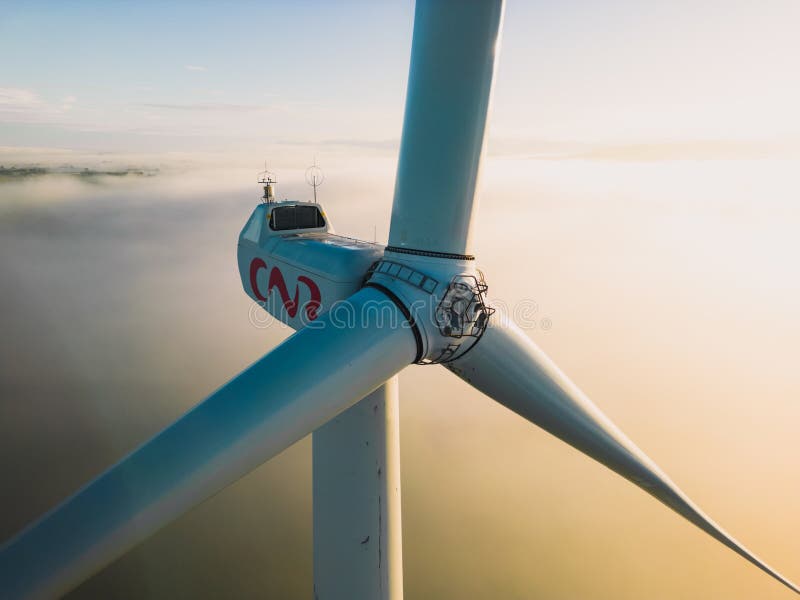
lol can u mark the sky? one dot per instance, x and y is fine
(648, 156)
(181, 77)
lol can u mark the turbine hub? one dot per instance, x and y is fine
(442, 299)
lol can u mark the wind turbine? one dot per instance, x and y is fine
(419, 300)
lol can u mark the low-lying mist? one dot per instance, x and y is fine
(669, 290)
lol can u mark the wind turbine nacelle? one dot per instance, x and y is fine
(293, 264)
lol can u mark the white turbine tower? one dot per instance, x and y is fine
(363, 313)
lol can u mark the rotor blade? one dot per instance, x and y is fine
(311, 377)
(449, 84)
(508, 367)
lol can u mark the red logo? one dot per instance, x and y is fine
(276, 281)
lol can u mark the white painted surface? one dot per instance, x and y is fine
(357, 516)
(453, 58)
(298, 275)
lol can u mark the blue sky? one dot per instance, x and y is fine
(150, 76)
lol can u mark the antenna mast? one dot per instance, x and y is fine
(314, 177)
(267, 179)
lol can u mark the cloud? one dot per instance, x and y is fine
(691, 150)
(210, 106)
(195, 68)
(388, 145)
(18, 105)
(645, 151)
(67, 102)
(19, 100)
